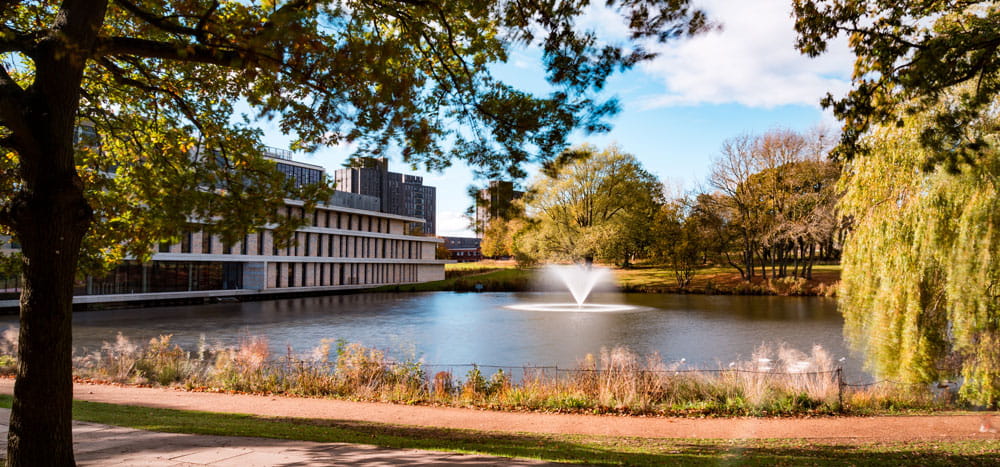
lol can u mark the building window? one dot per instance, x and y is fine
(308, 235)
(206, 242)
(186, 242)
(164, 247)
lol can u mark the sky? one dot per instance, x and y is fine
(677, 109)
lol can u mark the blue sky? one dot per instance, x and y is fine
(677, 109)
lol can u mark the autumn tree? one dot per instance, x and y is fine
(594, 205)
(679, 240)
(920, 269)
(778, 193)
(910, 55)
(918, 291)
(160, 80)
(500, 236)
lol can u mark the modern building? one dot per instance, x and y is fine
(495, 201)
(346, 244)
(400, 194)
(463, 249)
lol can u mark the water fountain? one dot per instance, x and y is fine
(580, 281)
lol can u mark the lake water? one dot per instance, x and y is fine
(461, 328)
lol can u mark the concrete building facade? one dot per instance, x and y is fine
(463, 249)
(347, 243)
(400, 194)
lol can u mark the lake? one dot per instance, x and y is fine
(460, 328)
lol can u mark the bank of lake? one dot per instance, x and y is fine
(505, 276)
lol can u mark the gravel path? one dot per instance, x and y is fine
(843, 429)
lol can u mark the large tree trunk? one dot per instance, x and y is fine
(50, 230)
(50, 216)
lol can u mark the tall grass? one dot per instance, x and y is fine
(776, 380)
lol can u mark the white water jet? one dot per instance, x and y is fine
(580, 281)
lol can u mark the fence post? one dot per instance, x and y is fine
(840, 388)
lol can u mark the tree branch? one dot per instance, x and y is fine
(12, 101)
(160, 22)
(180, 52)
(120, 76)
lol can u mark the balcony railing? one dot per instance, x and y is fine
(278, 153)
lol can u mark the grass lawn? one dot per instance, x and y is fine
(500, 276)
(724, 280)
(558, 448)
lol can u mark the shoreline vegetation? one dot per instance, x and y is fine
(505, 276)
(776, 381)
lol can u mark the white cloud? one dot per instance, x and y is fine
(453, 224)
(751, 61)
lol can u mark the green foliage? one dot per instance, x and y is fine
(595, 205)
(500, 236)
(909, 54)
(775, 203)
(160, 83)
(678, 241)
(919, 291)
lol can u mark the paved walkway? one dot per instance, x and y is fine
(834, 429)
(103, 445)
(107, 445)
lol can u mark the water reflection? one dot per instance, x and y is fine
(456, 328)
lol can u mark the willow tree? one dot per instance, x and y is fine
(158, 82)
(593, 205)
(921, 270)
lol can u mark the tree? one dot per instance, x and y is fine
(920, 269)
(158, 81)
(499, 239)
(910, 55)
(679, 240)
(778, 194)
(593, 205)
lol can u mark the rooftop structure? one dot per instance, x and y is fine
(400, 194)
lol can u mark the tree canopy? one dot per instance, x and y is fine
(596, 205)
(920, 270)
(776, 199)
(159, 82)
(909, 56)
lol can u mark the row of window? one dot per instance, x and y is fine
(301, 175)
(340, 220)
(282, 275)
(163, 276)
(303, 244)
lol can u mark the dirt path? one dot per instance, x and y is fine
(843, 429)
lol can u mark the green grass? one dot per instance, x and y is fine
(725, 280)
(503, 276)
(601, 450)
